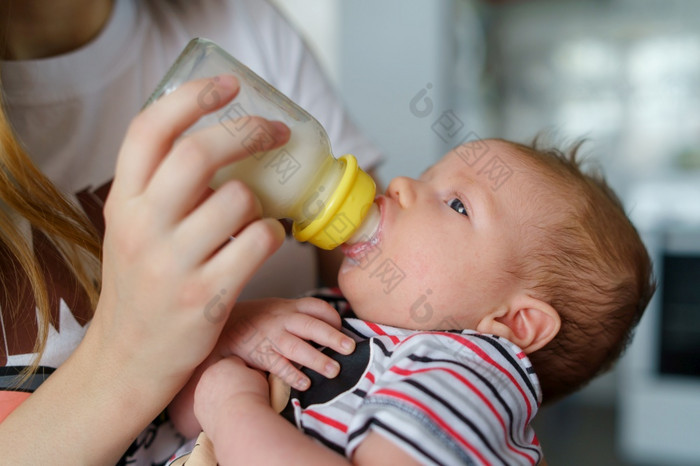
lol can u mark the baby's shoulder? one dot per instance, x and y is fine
(465, 354)
(464, 345)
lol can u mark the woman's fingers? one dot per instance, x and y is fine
(185, 174)
(234, 264)
(153, 132)
(226, 211)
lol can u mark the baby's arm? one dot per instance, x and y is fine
(233, 406)
(267, 334)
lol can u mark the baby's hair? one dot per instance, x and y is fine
(587, 261)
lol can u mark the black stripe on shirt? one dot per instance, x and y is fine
(508, 356)
(468, 422)
(346, 325)
(323, 440)
(496, 394)
(360, 393)
(382, 347)
(380, 425)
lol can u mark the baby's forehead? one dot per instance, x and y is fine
(480, 151)
(494, 159)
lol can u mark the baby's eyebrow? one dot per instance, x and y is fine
(487, 201)
(482, 199)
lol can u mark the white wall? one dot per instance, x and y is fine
(317, 21)
(394, 56)
(394, 66)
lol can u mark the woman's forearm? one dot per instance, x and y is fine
(87, 412)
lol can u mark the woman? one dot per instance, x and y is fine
(74, 73)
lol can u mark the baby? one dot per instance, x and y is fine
(501, 278)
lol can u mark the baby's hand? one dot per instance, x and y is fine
(227, 382)
(269, 333)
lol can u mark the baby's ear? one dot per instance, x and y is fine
(528, 322)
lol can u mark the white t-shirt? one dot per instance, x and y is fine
(71, 112)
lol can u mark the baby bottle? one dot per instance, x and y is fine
(331, 201)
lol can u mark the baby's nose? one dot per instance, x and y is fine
(403, 190)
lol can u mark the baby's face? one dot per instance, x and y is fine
(445, 242)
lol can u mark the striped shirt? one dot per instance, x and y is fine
(445, 397)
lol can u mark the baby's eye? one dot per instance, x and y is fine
(457, 206)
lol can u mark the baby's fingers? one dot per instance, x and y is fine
(297, 350)
(319, 331)
(320, 309)
(268, 357)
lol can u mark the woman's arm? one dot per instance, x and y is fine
(163, 262)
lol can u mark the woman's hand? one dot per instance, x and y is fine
(167, 250)
(167, 256)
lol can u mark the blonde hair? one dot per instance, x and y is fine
(586, 260)
(26, 193)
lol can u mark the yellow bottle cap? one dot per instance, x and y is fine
(345, 210)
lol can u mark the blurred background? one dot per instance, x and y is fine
(423, 76)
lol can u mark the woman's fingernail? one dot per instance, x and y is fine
(226, 82)
(281, 130)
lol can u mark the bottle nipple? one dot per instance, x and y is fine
(368, 229)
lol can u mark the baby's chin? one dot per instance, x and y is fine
(352, 291)
(368, 302)
(344, 284)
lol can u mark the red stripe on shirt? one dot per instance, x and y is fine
(378, 330)
(436, 418)
(482, 354)
(328, 421)
(474, 389)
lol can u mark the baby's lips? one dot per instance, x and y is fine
(357, 250)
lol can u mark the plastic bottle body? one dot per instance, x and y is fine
(326, 198)
(286, 187)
